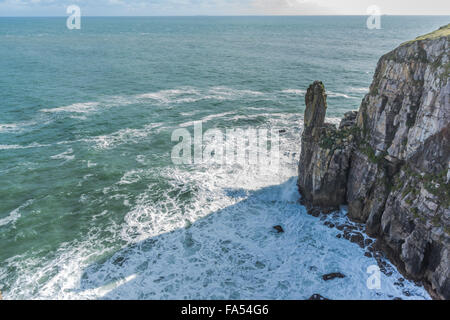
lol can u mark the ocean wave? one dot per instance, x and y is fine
(122, 136)
(9, 127)
(227, 93)
(359, 90)
(66, 155)
(180, 95)
(84, 107)
(189, 113)
(332, 94)
(16, 146)
(131, 177)
(162, 97)
(108, 141)
(208, 118)
(294, 91)
(14, 215)
(189, 94)
(16, 127)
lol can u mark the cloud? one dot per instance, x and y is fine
(220, 7)
(289, 7)
(160, 7)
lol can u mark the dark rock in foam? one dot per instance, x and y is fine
(332, 276)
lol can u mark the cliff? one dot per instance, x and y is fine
(389, 161)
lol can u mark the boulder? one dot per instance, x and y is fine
(317, 297)
(279, 229)
(332, 276)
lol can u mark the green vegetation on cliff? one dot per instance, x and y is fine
(443, 31)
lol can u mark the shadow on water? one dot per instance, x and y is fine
(228, 252)
(235, 253)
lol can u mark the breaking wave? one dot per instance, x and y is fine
(14, 215)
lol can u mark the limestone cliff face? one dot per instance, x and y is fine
(390, 162)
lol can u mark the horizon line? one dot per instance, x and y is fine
(235, 15)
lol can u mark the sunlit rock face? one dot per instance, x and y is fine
(390, 163)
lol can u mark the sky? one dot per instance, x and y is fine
(221, 7)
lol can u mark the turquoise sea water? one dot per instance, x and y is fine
(91, 205)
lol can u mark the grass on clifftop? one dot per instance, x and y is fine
(443, 31)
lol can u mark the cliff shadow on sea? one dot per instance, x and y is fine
(235, 253)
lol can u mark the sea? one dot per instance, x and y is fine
(92, 205)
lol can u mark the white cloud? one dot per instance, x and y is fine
(289, 7)
(222, 7)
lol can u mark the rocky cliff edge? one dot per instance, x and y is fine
(389, 162)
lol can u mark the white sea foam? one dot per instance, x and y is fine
(294, 91)
(333, 120)
(66, 155)
(330, 94)
(131, 177)
(85, 107)
(10, 146)
(189, 114)
(141, 159)
(19, 127)
(17, 146)
(15, 214)
(359, 90)
(208, 118)
(91, 164)
(79, 117)
(9, 127)
(226, 93)
(122, 136)
(189, 94)
(339, 95)
(181, 95)
(160, 98)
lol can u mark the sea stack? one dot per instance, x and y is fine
(324, 163)
(389, 161)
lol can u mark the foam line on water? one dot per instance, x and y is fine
(16, 146)
(333, 94)
(14, 215)
(162, 97)
(294, 91)
(359, 89)
(76, 108)
(66, 155)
